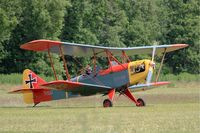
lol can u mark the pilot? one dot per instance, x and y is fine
(88, 69)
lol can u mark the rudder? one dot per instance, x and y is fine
(30, 81)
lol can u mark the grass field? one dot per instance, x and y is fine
(174, 109)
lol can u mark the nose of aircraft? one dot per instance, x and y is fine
(152, 65)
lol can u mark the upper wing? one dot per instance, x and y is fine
(74, 49)
(142, 87)
(76, 87)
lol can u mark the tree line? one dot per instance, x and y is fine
(118, 23)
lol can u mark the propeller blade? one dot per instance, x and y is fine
(153, 54)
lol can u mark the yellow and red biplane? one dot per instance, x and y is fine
(123, 76)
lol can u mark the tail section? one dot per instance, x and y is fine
(32, 81)
(33, 93)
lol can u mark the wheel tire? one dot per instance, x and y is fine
(141, 102)
(107, 103)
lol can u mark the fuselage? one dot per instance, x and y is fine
(117, 76)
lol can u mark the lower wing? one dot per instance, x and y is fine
(142, 87)
(76, 87)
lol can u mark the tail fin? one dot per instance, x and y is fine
(31, 81)
(33, 93)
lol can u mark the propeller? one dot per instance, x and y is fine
(152, 67)
(153, 54)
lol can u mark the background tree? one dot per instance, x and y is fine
(118, 23)
(9, 18)
(143, 28)
(37, 21)
(182, 26)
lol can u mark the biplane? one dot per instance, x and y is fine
(122, 76)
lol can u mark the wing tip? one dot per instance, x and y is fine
(39, 45)
(180, 45)
(161, 83)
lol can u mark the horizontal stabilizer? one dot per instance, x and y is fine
(143, 87)
(20, 91)
(41, 95)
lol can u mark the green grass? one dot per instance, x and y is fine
(180, 77)
(16, 78)
(169, 110)
(155, 118)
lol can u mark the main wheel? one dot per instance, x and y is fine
(107, 103)
(141, 102)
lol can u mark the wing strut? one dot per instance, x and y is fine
(111, 58)
(52, 66)
(163, 57)
(125, 58)
(64, 62)
(94, 62)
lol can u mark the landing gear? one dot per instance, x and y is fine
(107, 103)
(141, 102)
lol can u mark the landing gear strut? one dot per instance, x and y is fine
(139, 102)
(107, 103)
